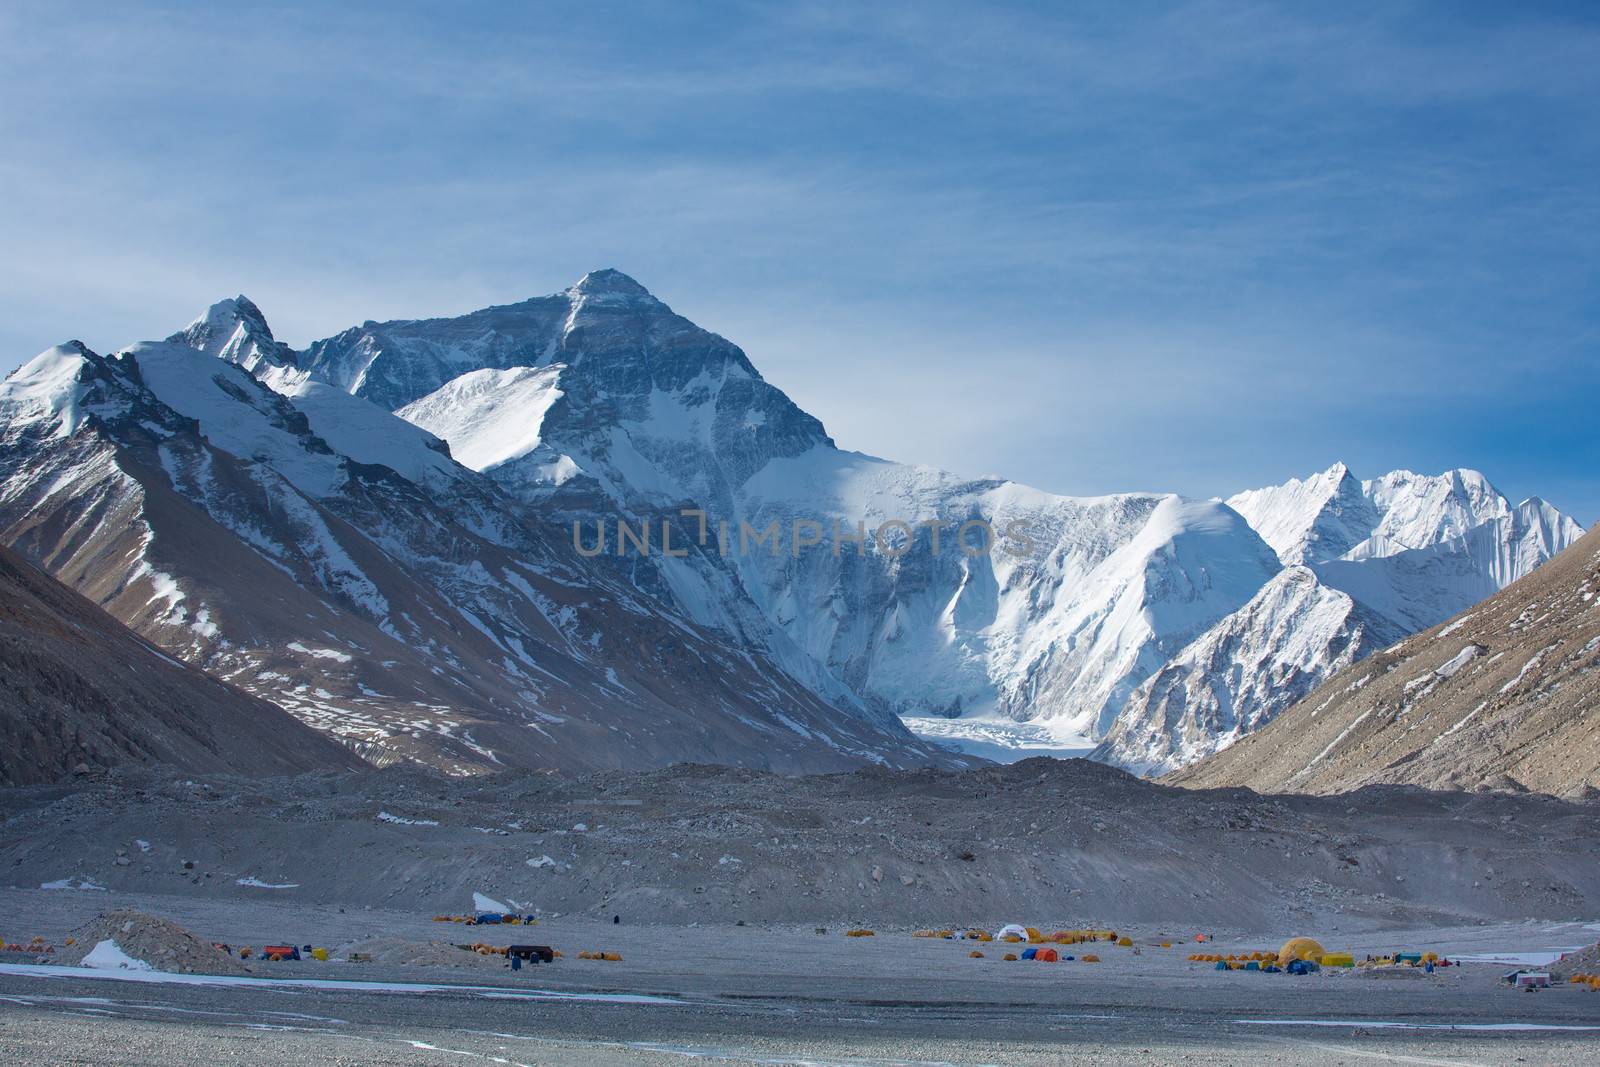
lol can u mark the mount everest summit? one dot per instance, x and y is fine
(377, 534)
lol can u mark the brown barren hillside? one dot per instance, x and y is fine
(1505, 695)
(78, 687)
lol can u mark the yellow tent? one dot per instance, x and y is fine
(1299, 948)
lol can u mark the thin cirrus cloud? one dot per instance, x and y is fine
(1188, 246)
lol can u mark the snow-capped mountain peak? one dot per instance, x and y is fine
(322, 552)
(1319, 517)
(609, 282)
(47, 389)
(235, 330)
(1419, 509)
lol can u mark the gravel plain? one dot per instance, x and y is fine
(776, 994)
(734, 891)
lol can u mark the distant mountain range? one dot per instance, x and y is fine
(1363, 565)
(1502, 696)
(378, 533)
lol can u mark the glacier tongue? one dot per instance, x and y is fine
(1001, 740)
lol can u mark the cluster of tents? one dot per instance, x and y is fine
(1042, 947)
(1303, 955)
(1041, 954)
(276, 953)
(1299, 955)
(1015, 933)
(1426, 960)
(520, 954)
(488, 918)
(1018, 934)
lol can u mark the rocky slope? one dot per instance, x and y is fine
(1504, 695)
(77, 688)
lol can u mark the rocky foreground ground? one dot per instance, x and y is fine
(766, 993)
(1068, 842)
(728, 894)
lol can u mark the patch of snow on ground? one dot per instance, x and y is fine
(68, 883)
(107, 956)
(259, 884)
(483, 903)
(384, 816)
(319, 653)
(1459, 660)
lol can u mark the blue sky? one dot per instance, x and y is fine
(1096, 247)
